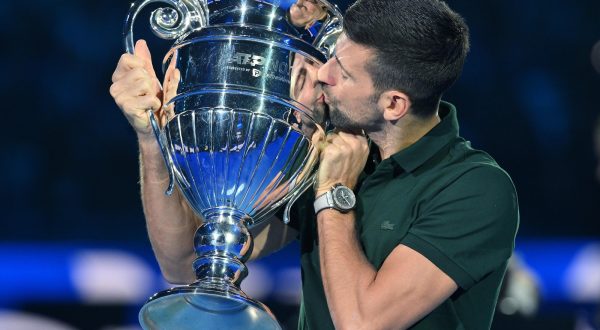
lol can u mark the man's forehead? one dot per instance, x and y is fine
(350, 50)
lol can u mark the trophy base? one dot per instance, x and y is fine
(198, 306)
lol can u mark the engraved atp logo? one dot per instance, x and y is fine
(245, 59)
(274, 68)
(386, 225)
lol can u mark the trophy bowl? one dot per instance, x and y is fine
(237, 140)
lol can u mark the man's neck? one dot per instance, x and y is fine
(404, 133)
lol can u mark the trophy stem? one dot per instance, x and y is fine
(222, 244)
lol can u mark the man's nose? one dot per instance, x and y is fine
(323, 75)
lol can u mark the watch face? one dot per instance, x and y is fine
(343, 198)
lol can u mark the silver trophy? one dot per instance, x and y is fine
(236, 136)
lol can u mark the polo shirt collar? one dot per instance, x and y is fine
(437, 138)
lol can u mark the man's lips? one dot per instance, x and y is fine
(324, 99)
(321, 99)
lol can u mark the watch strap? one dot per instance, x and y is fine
(325, 201)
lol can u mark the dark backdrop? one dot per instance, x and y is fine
(68, 160)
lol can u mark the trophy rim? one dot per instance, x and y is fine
(208, 290)
(249, 32)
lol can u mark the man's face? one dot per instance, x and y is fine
(349, 90)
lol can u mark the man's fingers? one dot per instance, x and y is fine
(136, 83)
(352, 136)
(172, 82)
(139, 104)
(172, 63)
(125, 91)
(127, 62)
(151, 102)
(142, 51)
(344, 145)
(353, 139)
(331, 137)
(341, 139)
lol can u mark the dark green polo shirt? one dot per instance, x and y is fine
(442, 198)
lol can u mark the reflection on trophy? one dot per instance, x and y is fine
(238, 138)
(305, 13)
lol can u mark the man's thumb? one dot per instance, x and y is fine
(142, 51)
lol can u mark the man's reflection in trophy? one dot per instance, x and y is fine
(305, 88)
(304, 13)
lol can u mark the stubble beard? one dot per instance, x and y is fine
(341, 121)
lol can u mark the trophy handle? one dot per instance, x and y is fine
(330, 30)
(296, 194)
(164, 24)
(190, 14)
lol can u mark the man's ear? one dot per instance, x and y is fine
(395, 104)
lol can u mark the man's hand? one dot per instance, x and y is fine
(136, 89)
(342, 160)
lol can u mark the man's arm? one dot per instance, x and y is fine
(402, 291)
(407, 286)
(169, 220)
(271, 236)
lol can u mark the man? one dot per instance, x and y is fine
(426, 244)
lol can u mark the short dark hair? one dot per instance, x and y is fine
(420, 47)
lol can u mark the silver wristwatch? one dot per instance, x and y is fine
(339, 197)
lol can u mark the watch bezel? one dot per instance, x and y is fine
(340, 205)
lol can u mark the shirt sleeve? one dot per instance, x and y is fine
(468, 229)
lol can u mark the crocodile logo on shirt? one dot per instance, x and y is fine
(386, 225)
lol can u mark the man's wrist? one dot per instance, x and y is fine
(321, 191)
(147, 140)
